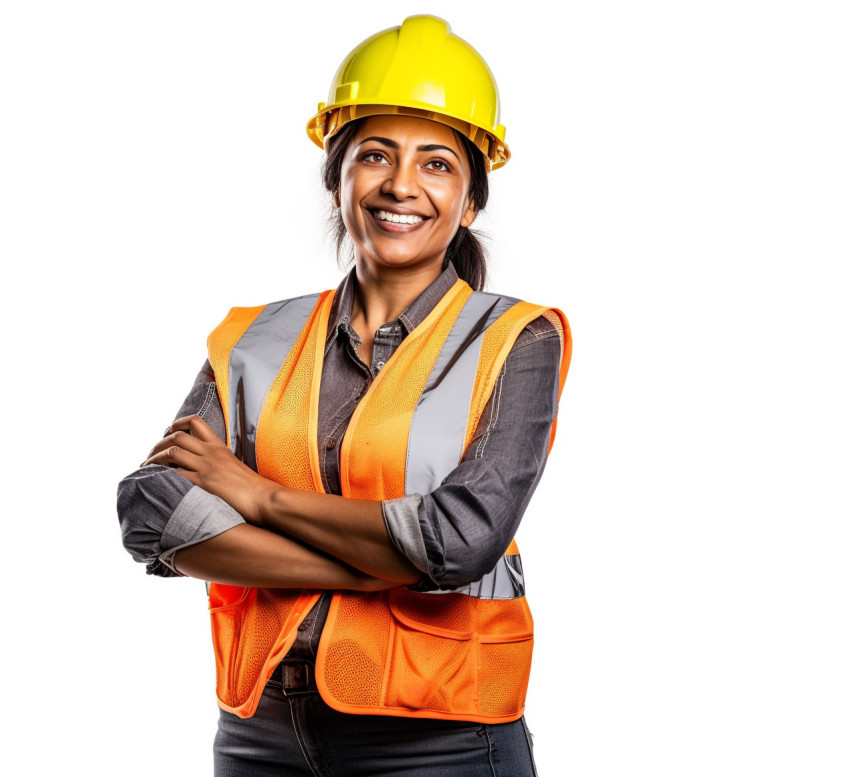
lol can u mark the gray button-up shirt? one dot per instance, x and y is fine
(455, 534)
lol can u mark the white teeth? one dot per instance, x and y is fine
(398, 218)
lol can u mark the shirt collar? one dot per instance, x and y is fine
(413, 315)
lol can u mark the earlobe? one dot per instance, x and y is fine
(336, 198)
(469, 216)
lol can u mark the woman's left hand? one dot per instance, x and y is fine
(194, 449)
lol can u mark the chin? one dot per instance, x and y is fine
(403, 262)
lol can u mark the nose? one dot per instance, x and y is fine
(402, 180)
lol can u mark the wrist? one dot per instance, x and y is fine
(271, 504)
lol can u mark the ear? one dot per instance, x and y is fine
(336, 198)
(469, 216)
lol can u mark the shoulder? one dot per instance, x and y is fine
(541, 328)
(271, 308)
(550, 323)
(537, 349)
(284, 312)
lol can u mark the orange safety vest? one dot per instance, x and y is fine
(462, 655)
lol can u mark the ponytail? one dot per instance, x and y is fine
(466, 253)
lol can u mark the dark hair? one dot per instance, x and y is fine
(465, 250)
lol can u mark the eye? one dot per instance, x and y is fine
(440, 165)
(374, 156)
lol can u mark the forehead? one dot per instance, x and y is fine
(408, 129)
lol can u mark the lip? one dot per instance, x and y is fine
(389, 226)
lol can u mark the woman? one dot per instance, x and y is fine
(350, 467)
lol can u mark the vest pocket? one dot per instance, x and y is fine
(503, 677)
(430, 672)
(456, 654)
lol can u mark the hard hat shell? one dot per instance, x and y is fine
(418, 69)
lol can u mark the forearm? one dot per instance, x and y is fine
(351, 530)
(159, 510)
(348, 529)
(250, 556)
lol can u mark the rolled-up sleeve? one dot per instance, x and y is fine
(160, 511)
(457, 533)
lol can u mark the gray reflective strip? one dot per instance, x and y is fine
(258, 357)
(438, 428)
(505, 581)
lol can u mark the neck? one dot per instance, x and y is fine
(383, 294)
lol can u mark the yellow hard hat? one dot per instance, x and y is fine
(418, 69)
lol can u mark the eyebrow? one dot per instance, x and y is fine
(393, 144)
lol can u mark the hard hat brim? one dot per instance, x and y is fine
(331, 118)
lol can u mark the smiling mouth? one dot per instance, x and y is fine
(387, 218)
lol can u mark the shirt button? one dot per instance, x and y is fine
(330, 443)
(380, 364)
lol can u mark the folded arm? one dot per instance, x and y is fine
(457, 533)
(249, 556)
(454, 535)
(178, 528)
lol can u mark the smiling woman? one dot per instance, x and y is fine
(452, 158)
(351, 466)
(405, 187)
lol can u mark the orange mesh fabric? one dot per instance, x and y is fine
(460, 616)
(504, 673)
(220, 343)
(448, 612)
(495, 347)
(400, 652)
(420, 655)
(249, 639)
(430, 673)
(252, 628)
(351, 665)
(381, 422)
(286, 435)
(559, 320)
(555, 320)
(503, 619)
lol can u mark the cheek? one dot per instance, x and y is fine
(348, 205)
(453, 204)
(351, 219)
(353, 188)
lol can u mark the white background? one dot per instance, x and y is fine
(679, 187)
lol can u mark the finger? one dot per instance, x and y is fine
(175, 456)
(181, 440)
(195, 425)
(202, 430)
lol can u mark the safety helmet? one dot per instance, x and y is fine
(418, 69)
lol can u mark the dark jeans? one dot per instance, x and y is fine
(301, 735)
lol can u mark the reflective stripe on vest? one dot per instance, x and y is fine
(504, 581)
(461, 655)
(438, 431)
(260, 352)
